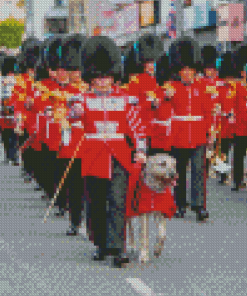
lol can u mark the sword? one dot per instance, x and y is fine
(61, 183)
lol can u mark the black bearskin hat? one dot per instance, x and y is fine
(73, 46)
(228, 66)
(150, 47)
(9, 65)
(163, 69)
(209, 56)
(56, 54)
(101, 57)
(241, 59)
(182, 53)
(131, 61)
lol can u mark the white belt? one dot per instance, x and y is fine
(227, 114)
(165, 123)
(187, 118)
(8, 117)
(77, 125)
(104, 136)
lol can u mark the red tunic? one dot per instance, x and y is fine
(139, 86)
(107, 122)
(161, 126)
(216, 98)
(228, 105)
(241, 110)
(191, 119)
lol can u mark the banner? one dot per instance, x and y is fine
(171, 23)
(230, 22)
(146, 13)
(125, 21)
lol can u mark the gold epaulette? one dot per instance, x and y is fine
(134, 78)
(20, 81)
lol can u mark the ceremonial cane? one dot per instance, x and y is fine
(61, 183)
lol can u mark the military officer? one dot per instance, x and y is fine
(190, 122)
(240, 140)
(228, 73)
(109, 116)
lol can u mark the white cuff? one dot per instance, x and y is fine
(141, 145)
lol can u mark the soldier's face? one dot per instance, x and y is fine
(243, 75)
(30, 72)
(210, 72)
(149, 68)
(62, 75)
(103, 83)
(187, 75)
(75, 76)
(52, 74)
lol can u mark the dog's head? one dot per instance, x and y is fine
(160, 172)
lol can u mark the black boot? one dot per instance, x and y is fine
(99, 255)
(180, 213)
(60, 213)
(235, 188)
(119, 261)
(202, 215)
(73, 231)
(223, 179)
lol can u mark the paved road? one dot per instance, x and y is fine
(199, 259)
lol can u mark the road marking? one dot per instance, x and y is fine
(140, 287)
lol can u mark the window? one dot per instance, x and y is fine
(149, 13)
(57, 26)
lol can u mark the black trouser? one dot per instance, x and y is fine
(106, 208)
(198, 170)
(225, 148)
(98, 190)
(49, 173)
(10, 143)
(27, 157)
(240, 145)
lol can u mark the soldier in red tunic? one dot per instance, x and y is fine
(213, 87)
(191, 120)
(145, 85)
(228, 102)
(71, 131)
(8, 125)
(107, 158)
(240, 140)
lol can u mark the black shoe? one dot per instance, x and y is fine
(222, 179)
(16, 164)
(99, 255)
(202, 216)
(38, 188)
(60, 214)
(236, 188)
(72, 232)
(180, 213)
(118, 262)
(194, 208)
(222, 182)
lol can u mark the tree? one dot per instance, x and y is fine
(11, 31)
